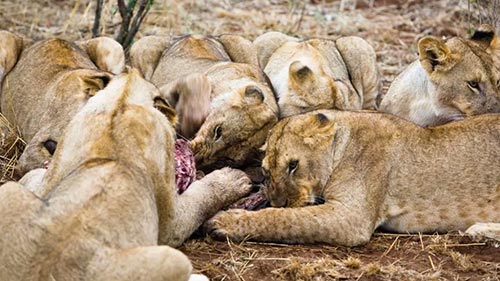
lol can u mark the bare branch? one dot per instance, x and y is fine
(97, 20)
(139, 17)
(125, 15)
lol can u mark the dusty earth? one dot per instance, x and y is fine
(391, 26)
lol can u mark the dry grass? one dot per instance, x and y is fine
(11, 147)
(411, 257)
(391, 26)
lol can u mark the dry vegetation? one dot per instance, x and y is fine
(391, 26)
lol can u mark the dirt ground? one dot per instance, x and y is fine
(391, 26)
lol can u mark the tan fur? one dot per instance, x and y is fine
(109, 197)
(399, 177)
(319, 73)
(242, 106)
(50, 82)
(440, 86)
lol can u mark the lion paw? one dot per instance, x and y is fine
(228, 182)
(226, 224)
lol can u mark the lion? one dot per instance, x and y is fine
(109, 196)
(333, 178)
(319, 73)
(236, 105)
(450, 80)
(46, 83)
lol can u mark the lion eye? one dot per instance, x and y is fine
(292, 166)
(474, 85)
(217, 133)
(51, 146)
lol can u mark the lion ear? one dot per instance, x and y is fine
(106, 53)
(254, 94)
(321, 119)
(484, 36)
(146, 53)
(164, 107)
(94, 82)
(10, 50)
(267, 43)
(433, 54)
(299, 72)
(239, 49)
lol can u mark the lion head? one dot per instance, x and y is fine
(451, 80)
(49, 83)
(127, 121)
(298, 162)
(243, 110)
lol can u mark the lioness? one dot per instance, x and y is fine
(449, 81)
(47, 82)
(319, 73)
(109, 196)
(236, 106)
(399, 177)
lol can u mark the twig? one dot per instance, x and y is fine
(390, 247)
(301, 18)
(267, 244)
(432, 263)
(464, 245)
(125, 14)
(266, 259)
(71, 15)
(97, 20)
(139, 17)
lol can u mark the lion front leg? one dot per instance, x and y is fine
(202, 200)
(329, 223)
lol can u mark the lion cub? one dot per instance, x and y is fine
(217, 87)
(319, 73)
(450, 81)
(109, 197)
(47, 82)
(399, 177)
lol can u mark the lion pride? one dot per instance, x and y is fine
(109, 197)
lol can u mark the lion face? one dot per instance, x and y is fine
(452, 80)
(242, 114)
(463, 73)
(297, 163)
